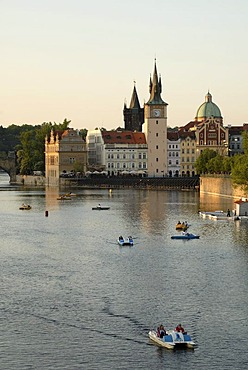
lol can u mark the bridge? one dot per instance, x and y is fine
(8, 164)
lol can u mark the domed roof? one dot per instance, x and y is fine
(208, 109)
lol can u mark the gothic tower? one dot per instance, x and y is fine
(155, 128)
(134, 115)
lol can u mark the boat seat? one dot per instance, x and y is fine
(168, 338)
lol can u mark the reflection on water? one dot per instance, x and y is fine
(71, 298)
(215, 202)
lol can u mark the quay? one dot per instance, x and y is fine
(162, 183)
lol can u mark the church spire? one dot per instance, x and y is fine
(155, 88)
(134, 99)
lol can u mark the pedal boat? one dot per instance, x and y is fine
(186, 236)
(125, 241)
(172, 340)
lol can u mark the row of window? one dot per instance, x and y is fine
(126, 156)
(141, 165)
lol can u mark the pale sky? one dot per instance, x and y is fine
(77, 59)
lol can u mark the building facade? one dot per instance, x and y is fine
(65, 153)
(174, 153)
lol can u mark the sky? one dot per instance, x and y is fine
(78, 59)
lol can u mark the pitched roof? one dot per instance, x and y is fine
(172, 135)
(123, 137)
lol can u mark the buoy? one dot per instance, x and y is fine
(46, 213)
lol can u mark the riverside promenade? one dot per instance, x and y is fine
(163, 183)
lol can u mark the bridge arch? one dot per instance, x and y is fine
(8, 164)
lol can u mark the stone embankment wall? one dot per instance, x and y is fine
(220, 185)
(30, 180)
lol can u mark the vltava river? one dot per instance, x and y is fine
(71, 298)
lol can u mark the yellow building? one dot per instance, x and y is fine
(188, 153)
(65, 154)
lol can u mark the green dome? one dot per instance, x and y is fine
(208, 109)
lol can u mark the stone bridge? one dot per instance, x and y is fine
(8, 164)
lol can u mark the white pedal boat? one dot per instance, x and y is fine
(172, 339)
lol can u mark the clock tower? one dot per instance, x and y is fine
(155, 128)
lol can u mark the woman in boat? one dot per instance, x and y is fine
(162, 331)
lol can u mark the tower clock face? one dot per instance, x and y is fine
(156, 112)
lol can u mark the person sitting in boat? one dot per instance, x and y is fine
(120, 238)
(180, 329)
(162, 331)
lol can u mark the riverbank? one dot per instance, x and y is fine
(220, 185)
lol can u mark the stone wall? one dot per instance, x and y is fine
(220, 185)
(30, 180)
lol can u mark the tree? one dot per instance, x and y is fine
(203, 159)
(239, 172)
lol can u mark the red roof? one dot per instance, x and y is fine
(123, 137)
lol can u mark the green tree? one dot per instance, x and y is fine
(203, 159)
(239, 172)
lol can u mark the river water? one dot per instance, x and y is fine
(71, 298)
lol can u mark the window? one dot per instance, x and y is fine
(183, 151)
(169, 161)
(140, 156)
(156, 159)
(117, 155)
(144, 155)
(156, 134)
(124, 156)
(156, 146)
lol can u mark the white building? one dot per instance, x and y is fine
(118, 152)
(173, 153)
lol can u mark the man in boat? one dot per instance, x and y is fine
(180, 329)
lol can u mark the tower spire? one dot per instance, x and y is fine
(155, 88)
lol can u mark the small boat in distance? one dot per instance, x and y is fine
(25, 206)
(64, 197)
(185, 235)
(182, 225)
(99, 208)
(125, 241)
(172, 339)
